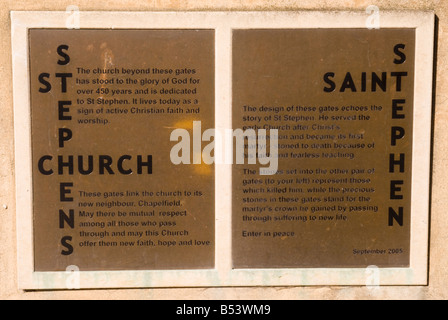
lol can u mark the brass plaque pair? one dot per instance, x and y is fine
(105, 105)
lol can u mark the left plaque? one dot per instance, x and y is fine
(107, 193)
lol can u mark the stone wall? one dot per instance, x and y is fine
(438, 261)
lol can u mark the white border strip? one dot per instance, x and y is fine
(223, 23)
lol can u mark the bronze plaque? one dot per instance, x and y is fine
(342, 102)
(103, 106)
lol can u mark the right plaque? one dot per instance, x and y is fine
(342, 102)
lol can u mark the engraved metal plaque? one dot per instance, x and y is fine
(342, 102)
(122, 120)
(103, 106)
